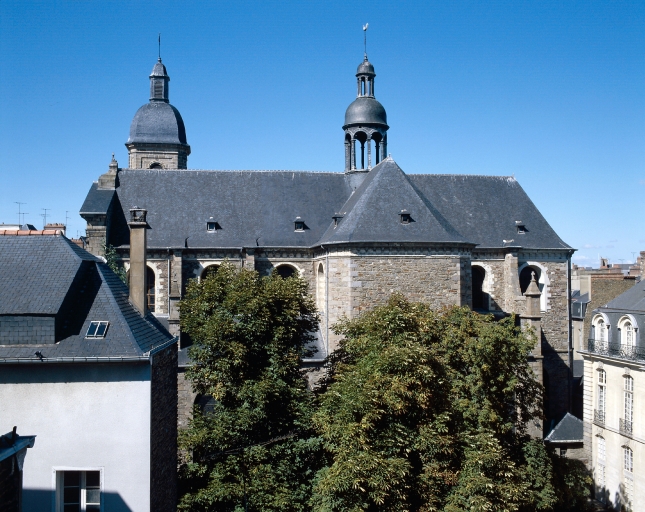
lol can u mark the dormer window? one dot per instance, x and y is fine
(405, 216)
(521, 228)
(337, 218)
(299, 224)
(212, 225)
(97, 329)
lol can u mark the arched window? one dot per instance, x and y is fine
(156, 165)
(627, 332)
(150, 289)
(210, 270)
(599, 329)
(526, 275)
(286, 271)
(480, 297)
(320, 287)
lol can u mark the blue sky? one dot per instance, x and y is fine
(551, 92)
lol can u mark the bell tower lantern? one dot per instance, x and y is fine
(157, 133)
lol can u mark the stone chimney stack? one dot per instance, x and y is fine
(532, 315)
(138, 249)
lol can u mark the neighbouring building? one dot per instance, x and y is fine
(614, 394)
(13, 449)
(356, 236)
(88, 371)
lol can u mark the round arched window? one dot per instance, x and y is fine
(285, 271)
(209, 271)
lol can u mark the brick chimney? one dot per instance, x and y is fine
(138, 249)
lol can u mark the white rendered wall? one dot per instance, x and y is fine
(84, 416)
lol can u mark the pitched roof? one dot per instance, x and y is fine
(372, 213)
(631, 300)
(51, 276)
(568, 430)
(259, 208)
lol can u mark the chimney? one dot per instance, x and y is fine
(532, 315)
(138, 249)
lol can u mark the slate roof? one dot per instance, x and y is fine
(631, 300)
(97, 200)
(259, 208)
(569, 430)
(50, 275)
(157, 122)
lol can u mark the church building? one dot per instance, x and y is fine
(356, 235)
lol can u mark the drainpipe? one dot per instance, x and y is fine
(570, 331)
(326, 299)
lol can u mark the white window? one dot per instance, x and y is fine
(78, 491)
(602, 391)
(629, 399)
(628, 457)
(600, 331)
(97, 329)
(601, 450)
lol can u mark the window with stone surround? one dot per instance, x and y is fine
(627, 331)
(285, 271)
(320, 287)
(481, 299)
(599, 329)
(210, 270)
(628, 405)
(602, 394)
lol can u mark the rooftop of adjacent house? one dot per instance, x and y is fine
(568, 430)
(53, 294)
(12, 444)
(632, 300)
(253, 208)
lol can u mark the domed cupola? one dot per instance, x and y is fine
(157, 133)
(365, 123)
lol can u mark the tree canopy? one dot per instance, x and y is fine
(255, 449)
(427, 410)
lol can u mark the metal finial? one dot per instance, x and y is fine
(159, 41)
(365, 38)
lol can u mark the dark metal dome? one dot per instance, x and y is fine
(365, 110)
(157, 122)
(365, 68)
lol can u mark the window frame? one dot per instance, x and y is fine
(99, 324)
(628, 460)
(601, 401)
(57, 485)
(628, 398)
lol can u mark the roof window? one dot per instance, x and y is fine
(337, 218)
(521, 228)
(97, 329)
(299, 224)
(406, 218)
(212, 226)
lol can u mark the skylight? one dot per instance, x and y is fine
(97, 329)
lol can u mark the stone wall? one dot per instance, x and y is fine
(163, 431)
(186, 399)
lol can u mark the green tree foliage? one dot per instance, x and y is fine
(257, 445)
(112, 260)
(427, 411)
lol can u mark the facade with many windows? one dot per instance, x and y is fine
(614, 417)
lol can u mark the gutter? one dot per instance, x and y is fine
(109, 359)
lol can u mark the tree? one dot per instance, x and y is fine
(256, 450)
(112, 260)
(426, 411)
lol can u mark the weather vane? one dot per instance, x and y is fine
(365, 37)
(159, 40)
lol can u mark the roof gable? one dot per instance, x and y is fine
(372, 213)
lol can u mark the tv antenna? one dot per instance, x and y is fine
(67, 216)
(365, 37)
(44, 216)
(19, 212)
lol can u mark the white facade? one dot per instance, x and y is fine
(87, 417)
(615, 429)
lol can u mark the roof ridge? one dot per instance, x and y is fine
(31, 232)
(302, 171)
